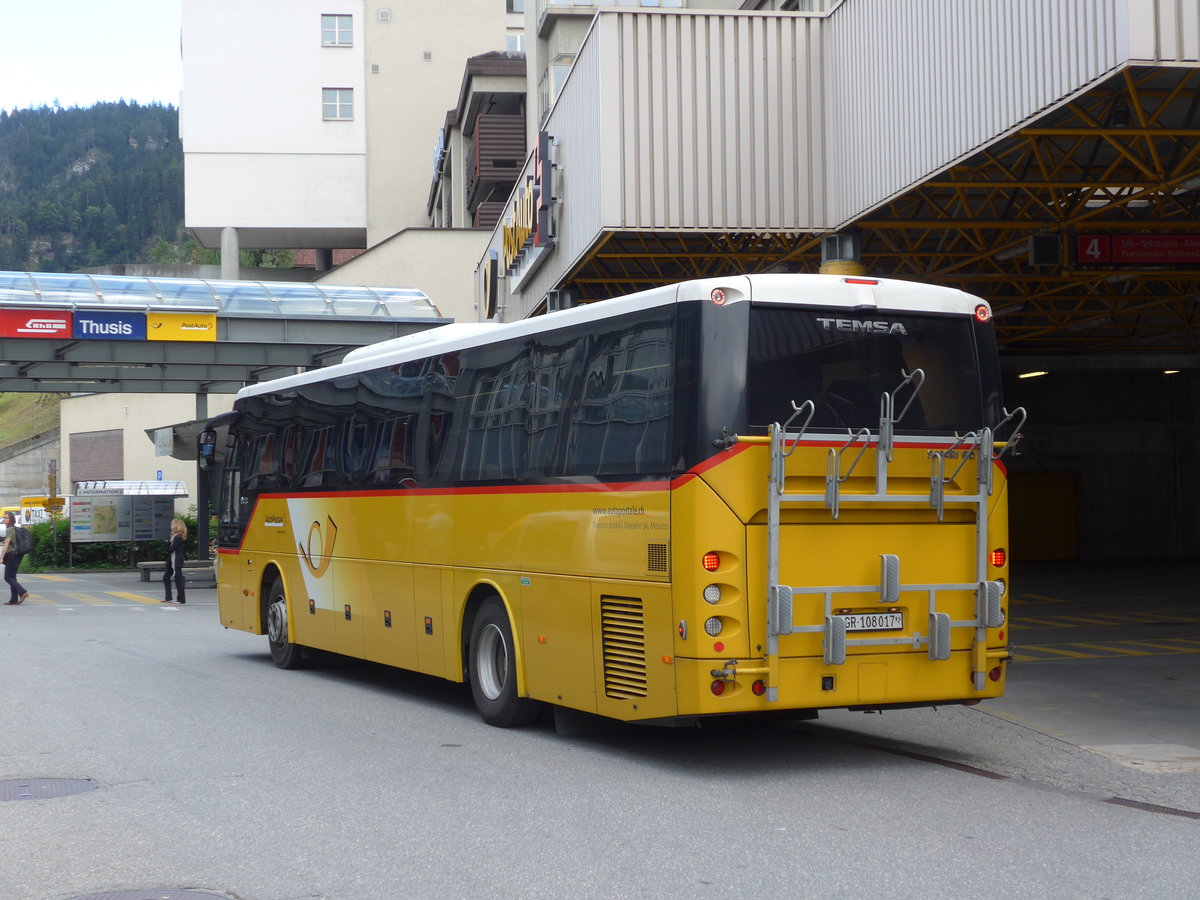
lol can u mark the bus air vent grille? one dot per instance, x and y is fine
(624, 635)
(656, 558)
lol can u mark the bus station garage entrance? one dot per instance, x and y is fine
(1082, 229)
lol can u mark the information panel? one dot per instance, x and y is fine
(120, 518)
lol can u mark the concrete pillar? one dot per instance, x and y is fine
(324, 259)
(203, 501)
(231, 267)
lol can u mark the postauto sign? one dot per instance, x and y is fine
(107, 326)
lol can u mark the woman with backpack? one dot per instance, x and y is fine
(15, 538)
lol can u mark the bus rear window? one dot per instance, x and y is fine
(844, 361)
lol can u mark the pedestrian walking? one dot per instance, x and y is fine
(175, 561)
(16, 544)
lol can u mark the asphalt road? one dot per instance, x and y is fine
(213, 771)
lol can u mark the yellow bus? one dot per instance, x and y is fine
(734, 495)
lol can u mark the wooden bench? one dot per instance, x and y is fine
(193, 569)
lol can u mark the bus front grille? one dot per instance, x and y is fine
(623, 631)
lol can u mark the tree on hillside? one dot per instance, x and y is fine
(89, 186)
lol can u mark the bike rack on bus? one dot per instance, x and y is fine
(988, 608)
(885, 443)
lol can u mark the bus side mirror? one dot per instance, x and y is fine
(206, 449)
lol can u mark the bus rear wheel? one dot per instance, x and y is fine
(493, 669)
(284, 653)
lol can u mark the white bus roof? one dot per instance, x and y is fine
(834, 291)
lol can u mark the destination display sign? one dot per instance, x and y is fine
(1138, 249)
(113, 326)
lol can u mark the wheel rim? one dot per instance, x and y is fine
(277, 622)
(491, 662)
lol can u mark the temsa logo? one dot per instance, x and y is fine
(864, 326)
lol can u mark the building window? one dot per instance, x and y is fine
(337, 104)
(514, 42)
(551, 84)
(514, 6)
(336, 31)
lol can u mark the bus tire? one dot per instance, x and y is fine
(493, 669)
(284, 653)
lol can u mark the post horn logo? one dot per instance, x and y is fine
(323, 550)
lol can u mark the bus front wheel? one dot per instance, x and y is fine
(284, 653)
(493, 668)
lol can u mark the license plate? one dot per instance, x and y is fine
(885, 621)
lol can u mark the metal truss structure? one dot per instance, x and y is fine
(1121, 158)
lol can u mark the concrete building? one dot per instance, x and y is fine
(105, 438)
(303, 128)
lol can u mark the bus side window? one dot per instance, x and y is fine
(621, 424)
(548, 383)
(390, 459)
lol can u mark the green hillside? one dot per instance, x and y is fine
(93, 186)
(23, 416)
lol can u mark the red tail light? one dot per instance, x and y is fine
(718, 688)
(711, 562)
(998, 557)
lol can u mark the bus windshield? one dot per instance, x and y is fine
(845, 360)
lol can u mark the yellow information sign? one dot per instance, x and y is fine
(181, 326)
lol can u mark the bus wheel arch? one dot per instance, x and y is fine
(274, 611)
(491, 662)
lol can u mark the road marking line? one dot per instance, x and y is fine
(125, 595)
(1043, 598)
(1061, 652)
(1116, 649)
(89, 599)
(1026, 622)
(1168, 647)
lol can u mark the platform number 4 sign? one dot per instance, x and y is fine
(1093, 248)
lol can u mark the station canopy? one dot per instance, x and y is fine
(132, 488)
(69, 333)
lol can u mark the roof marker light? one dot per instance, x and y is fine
(718, 296)
(982, 313)
(860, 281)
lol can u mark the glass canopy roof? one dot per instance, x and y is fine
(250, 298)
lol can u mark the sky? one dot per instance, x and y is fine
(82, 52)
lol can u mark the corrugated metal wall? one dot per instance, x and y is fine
(719, 120)
(577, 124)
(1163, 30)
(914, 86)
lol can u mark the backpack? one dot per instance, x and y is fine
(22, 539)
